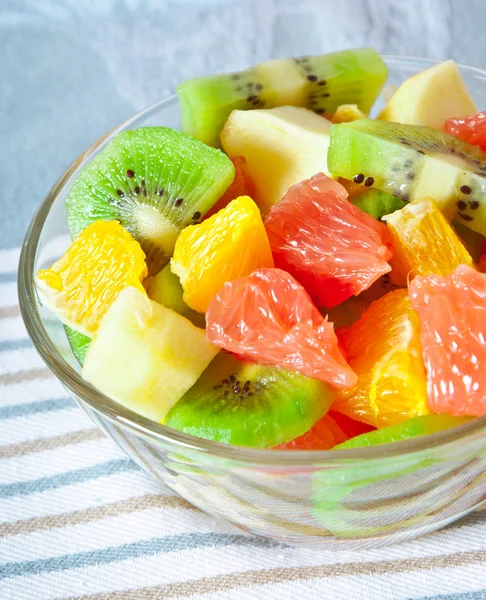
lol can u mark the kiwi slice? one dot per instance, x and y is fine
(248, 404)
(410, 162)
(79, 343)
(424, 425)
(321, 83)
(384, 493)
(166, 289)
(377, 203)
(155, 181)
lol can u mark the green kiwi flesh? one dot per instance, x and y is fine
(155, 181)
(424, 425)
(320, 83)
(247, 404)
(377, 203)
(79, 343)
(374, 497)
(410, 162)
(166, 289)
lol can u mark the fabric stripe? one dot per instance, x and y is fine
(7, 277)
(32, 408)
(29, 391)
(56, 422)
(148, 547)
(50, 443)
(8, 293)
(224, 583)
(9, 311)
(27, 375)
(19, 360)
(479, 595)
(9, 259)
(95, 513)
(9, 345)
(24, 488)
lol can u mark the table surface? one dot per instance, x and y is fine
(78, 518)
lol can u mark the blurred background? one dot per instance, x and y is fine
(72, 69)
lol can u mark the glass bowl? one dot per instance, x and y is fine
(362, 497)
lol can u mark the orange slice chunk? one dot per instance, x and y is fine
(85, 281)
(424, 242)
(383, 348)
(229, 245)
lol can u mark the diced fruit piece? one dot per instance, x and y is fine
(349, 311)
(247, 404)
(324, 435)
(79, 343)
(383, 348)
(230, 244)
(155, 181)
(346, 313)
(146, 356)
(424, 242)
(321, 83)
(281, 146)
(471, 128)
(405, 430)
(430, 97)
(413, 162)
(376, 203)
(242, 185)
(166, 289)
(348, 426)
(80, 286)
(473, 240)
(482, 263)
(268, 317)
(331, 247)
(347, 113)
(370, 200)
(452, 312)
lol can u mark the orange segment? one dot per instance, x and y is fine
(383, 348)
(229, 245)
(85, 281)
(424, 242)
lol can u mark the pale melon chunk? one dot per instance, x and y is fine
(430, 97)
(282, 146)
(146, 356)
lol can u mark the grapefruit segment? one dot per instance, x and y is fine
(331, 247)
(472, 129)
(452, 312)
(269, 318)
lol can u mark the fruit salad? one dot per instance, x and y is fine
(286, 272)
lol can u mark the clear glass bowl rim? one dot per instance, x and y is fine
(157, 432)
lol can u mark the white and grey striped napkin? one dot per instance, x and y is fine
(80, 520)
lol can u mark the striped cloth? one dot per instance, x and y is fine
(79, 520)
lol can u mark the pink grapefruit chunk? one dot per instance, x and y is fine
(472, 129)
(269, 318)
(452, 312)
(331, 247)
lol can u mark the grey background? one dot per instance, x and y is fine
(72, 69)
